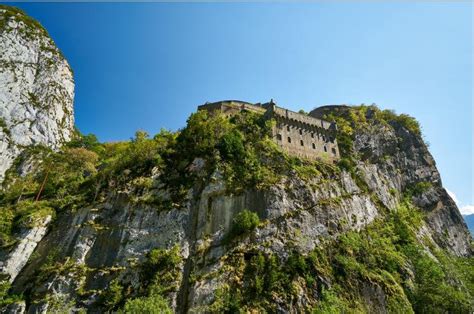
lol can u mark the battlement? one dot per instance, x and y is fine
(230, 107)
(298, 134)
(300, 118)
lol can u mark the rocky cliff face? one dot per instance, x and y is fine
(36, 88)
(98, 255)
(216, 218)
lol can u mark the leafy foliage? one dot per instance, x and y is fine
(418, 188)
(238, 145)
(5, 297)
(330, 303)
(351, 120)
(244, 222)
(159, 276)
(381, 255)
(161, 271)
(155, 304)
(113, 295)
(386, 254)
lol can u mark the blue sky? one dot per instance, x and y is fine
(148, 65)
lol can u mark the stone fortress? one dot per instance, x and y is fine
(298, 134)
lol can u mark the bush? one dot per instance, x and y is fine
(418, 188)
(244, 222)
(346, 164)
(89, 142)
(29, 213)
(408, 122)
(386, 254)
(232, 147)
(330, 303)
(161, 271)
(5, 297)
(113, 295)
(155, 304)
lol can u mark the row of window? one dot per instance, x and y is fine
(279, 137)
(288, 128)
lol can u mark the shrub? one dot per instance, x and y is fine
(113, 295)
(161, 272)
(7, 298)
(346, 164)
(405, 120)
(89, 142)
(231, 146)
(418, 188)
(29, 213)
(330, 303)
(382, 254)
(161, 259)
(155, 304)
(244, 222)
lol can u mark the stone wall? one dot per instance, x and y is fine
(303, 135)
(304, 141)
(231, 107)
(297, 134)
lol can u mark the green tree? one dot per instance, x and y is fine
(155, 304)
(244, 222)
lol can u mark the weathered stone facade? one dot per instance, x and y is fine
(297, 134)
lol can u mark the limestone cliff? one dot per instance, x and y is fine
(36, 88)
(216, 217)
(157, 218)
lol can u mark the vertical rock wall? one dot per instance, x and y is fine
(36, 88)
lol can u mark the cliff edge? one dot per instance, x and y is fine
(215, 218)
(36, 88)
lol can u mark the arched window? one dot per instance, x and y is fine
(301, 142)
(333, 151)
(289, 139)
(325, 149)
(288, 128)
(301, 132)
(314, 146)
(279, 137)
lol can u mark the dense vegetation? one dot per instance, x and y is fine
(243, 223)
(359, 118)
(386, 256)
(33, 25)
(159, 276)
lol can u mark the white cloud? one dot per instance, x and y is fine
(467, 210)
(453, 196)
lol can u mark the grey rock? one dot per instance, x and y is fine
(36, 90)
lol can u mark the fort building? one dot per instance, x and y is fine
(296, 133)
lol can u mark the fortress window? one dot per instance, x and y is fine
(301, 132)
(325, 149)
(288, 128)
(312, 135)
(279, 137)
(314, 146)
(289, 139)
(333, 151)
(301, 142)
